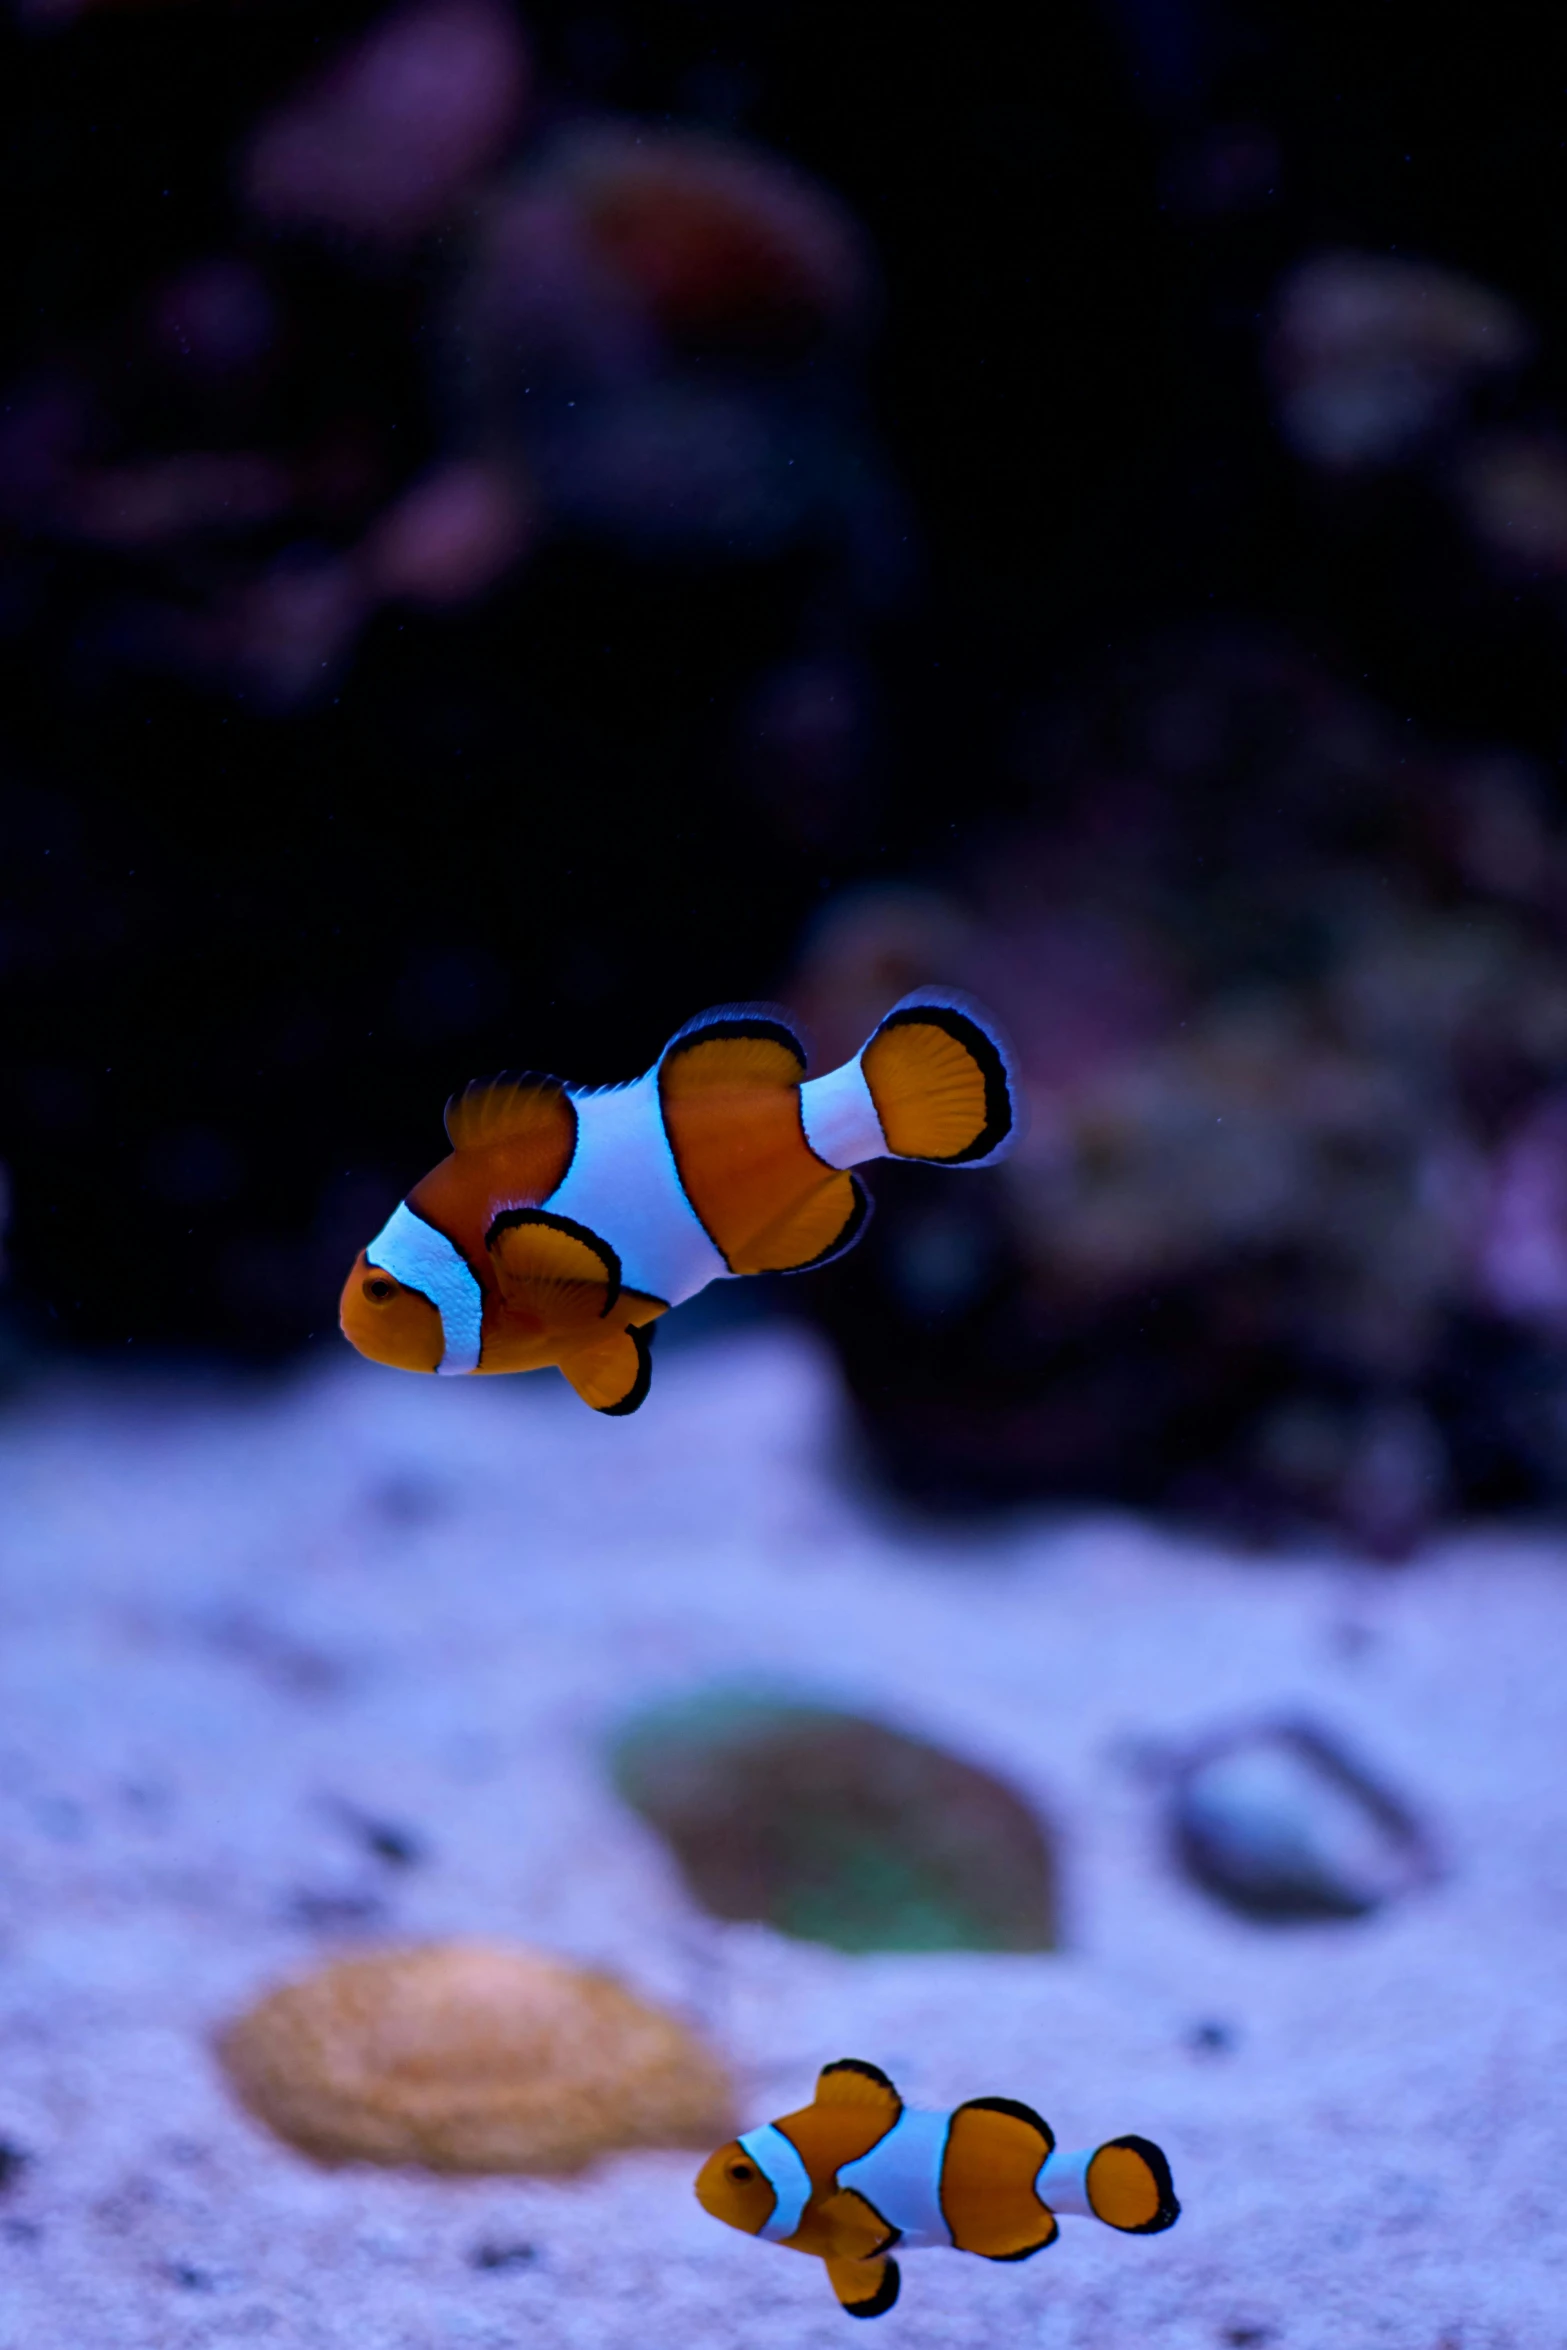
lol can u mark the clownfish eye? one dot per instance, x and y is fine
(379, 1290)
(742, 2173)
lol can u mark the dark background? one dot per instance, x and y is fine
(248, 943)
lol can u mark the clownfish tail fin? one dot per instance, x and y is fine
(944, 1081)
(1129, 2187)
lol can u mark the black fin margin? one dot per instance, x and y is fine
(1020, 2113)
(1028, 2250)
(510, 1219)
(1000, 1108)
(863, 2065)
(881, 2300)
(850, 1233)
(1169, 2210)
(769, 1020)
(637, 1397)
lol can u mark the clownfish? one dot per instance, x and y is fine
(857, 2171)
(568, 1218)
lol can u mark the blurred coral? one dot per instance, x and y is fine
(282, 633)
(693, 238)
(159, 499)
(1512, 489)
(449, 536)
(466, 2056)
(1291, 1022)
(650, 338)
(217, 316)
(722, 243)
(1371, 353)
(1521, 1243)
(663, 327)
(384, 141)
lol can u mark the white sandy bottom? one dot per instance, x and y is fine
(222, 1623)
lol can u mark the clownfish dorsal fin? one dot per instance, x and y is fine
(733, 1045)
(534, 1112)
(554, 1267)
(851, 2081)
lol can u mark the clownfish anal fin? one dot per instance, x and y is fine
(865, 2288)
(532, 1114)
(857, 2229)
(851, 2081)
(735, 1044)
(613, 1376)
(1130, 2187)
(543, 1262)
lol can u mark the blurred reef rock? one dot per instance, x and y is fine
(580, 328)
(838, 1829)
(1287, 1239)
(466, 2056)
(385, 141)
(1282, 1825)
(1372, 353)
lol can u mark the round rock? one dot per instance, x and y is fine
(1280, 1823)
(462, 2056)
(838, 1829)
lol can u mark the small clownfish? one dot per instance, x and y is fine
(567, 1219)
(857, 2171)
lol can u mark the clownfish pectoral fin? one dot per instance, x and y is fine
(552, 1267)
(613, 1376)
(943, 1082)
(851, 2081)
(532, 1115)
(1129, 2187)
(858, 2231)
(865, 2288)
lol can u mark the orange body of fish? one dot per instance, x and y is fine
(857, 2172)
(567, 1219)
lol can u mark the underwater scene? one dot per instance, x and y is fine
(783, 1175)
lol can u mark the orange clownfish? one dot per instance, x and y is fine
(567, 1219)
(857, 2171)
